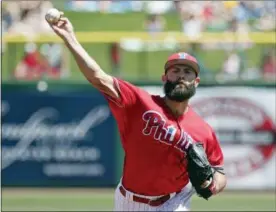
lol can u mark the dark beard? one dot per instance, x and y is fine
(179, 94)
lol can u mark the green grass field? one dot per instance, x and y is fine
(102, 199)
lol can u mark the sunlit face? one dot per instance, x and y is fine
(180, 83)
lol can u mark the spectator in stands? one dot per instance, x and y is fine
(104, 6)
(233, 25)
(267, 20)
(7, 18)
(6, 23)
(192, 26)
(154, 24)
(33, 65)
(229, 5)
(29, 17)
(207, 12)
(158, 7)
(53, 53)
(231, 68)
(115, 58)
(191, 17)
(268, 66)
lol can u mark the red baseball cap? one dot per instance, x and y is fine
(182, 58)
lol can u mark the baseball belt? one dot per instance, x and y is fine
(156, 202)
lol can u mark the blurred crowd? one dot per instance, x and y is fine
(213, 15)
(27, 18)
(229, 15)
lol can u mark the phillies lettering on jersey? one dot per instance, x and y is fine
(157, 127)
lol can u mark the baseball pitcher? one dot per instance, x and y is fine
(170, 152)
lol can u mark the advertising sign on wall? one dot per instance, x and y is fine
(244, 121)
(57, 140)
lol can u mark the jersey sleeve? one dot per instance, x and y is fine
(214, 153)
(127, 94)
(122, 107)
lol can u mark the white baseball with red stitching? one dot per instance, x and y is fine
(52, 15)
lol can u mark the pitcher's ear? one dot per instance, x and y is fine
(197, 81)
(164, 78)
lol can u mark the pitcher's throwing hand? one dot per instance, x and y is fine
(62, 26)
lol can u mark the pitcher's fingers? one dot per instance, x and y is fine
(61, 13)
(55, 28)
(64, 19)
(61, 24)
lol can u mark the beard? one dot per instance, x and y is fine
(179, 93)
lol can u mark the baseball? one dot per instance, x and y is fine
(53, 15)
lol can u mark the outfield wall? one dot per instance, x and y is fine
(66, 135)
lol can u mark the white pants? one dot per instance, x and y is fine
(179, 202)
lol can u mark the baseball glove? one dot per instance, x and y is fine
(200, 170)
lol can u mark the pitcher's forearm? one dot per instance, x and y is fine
(90, 69)
(85, 62)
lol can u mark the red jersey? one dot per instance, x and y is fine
(154, 141)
